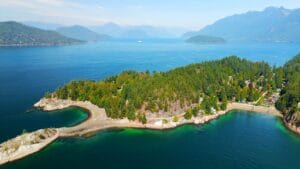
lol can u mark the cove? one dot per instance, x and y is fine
(26, 74)
(238, 139)
(36, 119)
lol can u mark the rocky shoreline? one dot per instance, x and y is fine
(26, 144)
(292, 127)
(98, 121)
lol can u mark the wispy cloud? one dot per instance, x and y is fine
(188, 13)
(136, 7)
(100, 7)
(57, 10)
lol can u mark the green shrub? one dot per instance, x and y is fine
(175, 119)
(188, 115)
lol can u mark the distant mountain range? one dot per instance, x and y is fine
(270, 25)
(47, 34)
(82, 33)
(119, 31)
(43, 25)
(17, 34)
(133, 32)
(202, 39)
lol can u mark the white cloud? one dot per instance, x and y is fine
(100, 7)
(56, 3)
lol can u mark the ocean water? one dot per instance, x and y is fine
(27, 73)
(239, 140)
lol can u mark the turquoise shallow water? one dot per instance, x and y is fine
(236, 140)
(27, 73)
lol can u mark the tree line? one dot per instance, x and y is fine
(289, 100)
(130, 94)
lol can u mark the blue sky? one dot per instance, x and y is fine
(190, 14)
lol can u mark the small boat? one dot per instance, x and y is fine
(139, 41)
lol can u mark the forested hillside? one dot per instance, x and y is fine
(289, 101)
(16, 34)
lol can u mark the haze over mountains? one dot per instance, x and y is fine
(136, 31)
(43, 25)
(17, 34)
(118, 31)
(270, 25)
(82, 33)
(274, 24)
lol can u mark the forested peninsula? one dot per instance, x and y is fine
(197, 88)
(195, 94)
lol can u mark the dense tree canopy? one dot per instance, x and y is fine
(17, 34)
(290, 95)
(131, 93)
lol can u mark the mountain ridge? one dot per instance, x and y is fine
(133, 31)
(273, 24)
(17, 34)
(82, 33)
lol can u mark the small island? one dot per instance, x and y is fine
(204, 39)
(194, 94)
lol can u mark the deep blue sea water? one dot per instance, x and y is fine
(239, 140)
(27, 73)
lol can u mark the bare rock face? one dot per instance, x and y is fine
(25, 144)
(53, 104)
(293, 119)
(50, 104)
